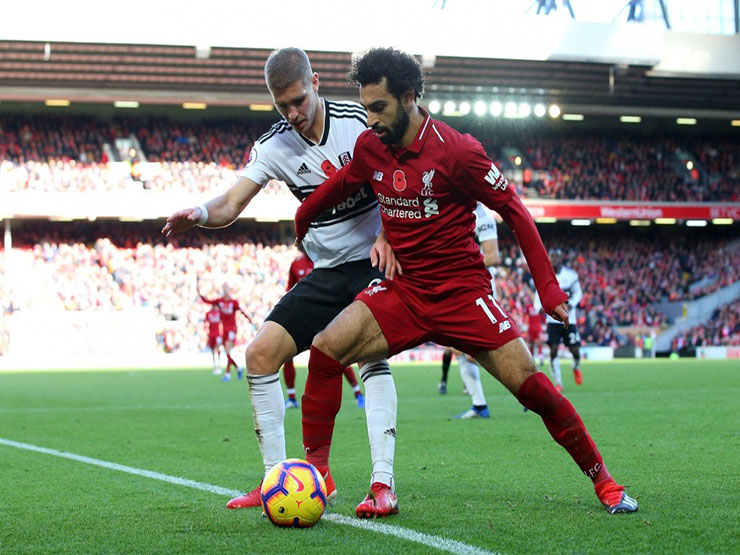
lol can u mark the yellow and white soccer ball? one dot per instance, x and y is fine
(293, 494)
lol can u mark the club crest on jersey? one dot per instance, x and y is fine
(426, 179)
(252, 158)
(344, 158)
(399, 180)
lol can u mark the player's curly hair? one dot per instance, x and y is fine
(402, 70)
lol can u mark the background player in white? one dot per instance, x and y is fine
(486, 233)
(556, 331)
(315, 138)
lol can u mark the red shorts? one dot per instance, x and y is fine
(229, 334)
(534, 335)
(459, 313)
(214, 341)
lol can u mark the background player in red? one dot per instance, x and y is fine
(427, 178)
(301, 266)
(215, 338)
(228, 307)
(535, 317)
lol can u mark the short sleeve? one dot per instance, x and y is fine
(485, 224)
(258, 168)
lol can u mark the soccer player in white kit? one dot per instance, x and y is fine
(486, 233)
(313, 141)
(556, 331)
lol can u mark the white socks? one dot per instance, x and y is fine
(268, 409)
(470, 374)
(380, 410)
(555, 369)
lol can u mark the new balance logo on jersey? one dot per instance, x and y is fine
(503, 326)
(431, 208)
(378, 176)
(426, 179)
(303, 170)
(496, 178)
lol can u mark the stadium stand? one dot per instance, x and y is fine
(114, 266)
(50, 153)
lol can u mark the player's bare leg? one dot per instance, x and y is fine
(353, 335)
(228, 346)
(514, 367)
(272, 346)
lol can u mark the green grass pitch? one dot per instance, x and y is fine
(669, 430)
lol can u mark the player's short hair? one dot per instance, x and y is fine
(285, 66)
(402, 71)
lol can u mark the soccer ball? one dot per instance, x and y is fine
(293, 494)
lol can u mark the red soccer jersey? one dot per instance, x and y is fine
(228, 308)
(299, 268)
(534, 318)
(427, 193)
(213, 319)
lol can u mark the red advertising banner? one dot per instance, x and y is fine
(568, 210)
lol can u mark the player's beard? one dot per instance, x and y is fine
(397, 129)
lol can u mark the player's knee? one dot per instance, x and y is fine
(260, 358)
(322, 343)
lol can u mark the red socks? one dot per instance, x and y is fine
(350, 375)
(322, 399)
(289, 374)
(565, 426)
(230, 362)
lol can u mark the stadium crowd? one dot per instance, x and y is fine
(112, 266)
(722, 329)
(51, 153)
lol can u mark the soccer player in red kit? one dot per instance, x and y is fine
(534, 330)
(427, 178)
(301, 266)
(228, 307)
(215, 339)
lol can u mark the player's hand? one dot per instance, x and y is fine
(383, 258)
(561, 314)
(182, 220)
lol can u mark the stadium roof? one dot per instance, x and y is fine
(234, 76)
(171, 52)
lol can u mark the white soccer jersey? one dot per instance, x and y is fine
(485, 230)
(568, 281)
(347, 231)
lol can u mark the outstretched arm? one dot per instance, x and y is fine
(245, 314)
(220, 211)
(554, 299)
(485, 183)
(330, 193)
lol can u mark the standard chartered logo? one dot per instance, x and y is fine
(431, 208)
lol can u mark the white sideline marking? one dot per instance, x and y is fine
(121, 407)
(436, 542)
